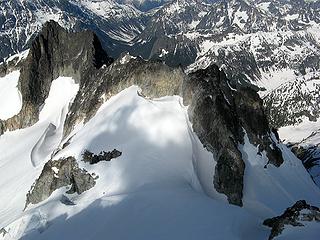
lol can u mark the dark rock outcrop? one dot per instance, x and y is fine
(295, 216)
(55, 52)
(92, 158)
(221, 115)
(57, 174)
(308, 155)
(216, 123)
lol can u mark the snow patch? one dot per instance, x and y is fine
(10, 96)
(55, 170)
(126, 58)
(299, 132)
(163, 53)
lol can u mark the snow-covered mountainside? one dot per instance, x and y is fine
(256, 40)
(164, 36)
(152, 190)
(135, 149)
(273, 44)
(304, 140)
(143, 119)
(21, 20)
(144, 5)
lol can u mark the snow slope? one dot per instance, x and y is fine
(268, 190)
(306, 135)
(155, 190)
(10, 97)
(23, 152)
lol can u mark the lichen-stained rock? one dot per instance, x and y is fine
(57, 174)
(295, 216)
(153, 77)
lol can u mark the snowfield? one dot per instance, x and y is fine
(160, 188)
(301, 131)
(24, 152)
(10, 97)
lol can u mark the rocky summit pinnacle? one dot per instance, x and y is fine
(54, 52)
(221, 116)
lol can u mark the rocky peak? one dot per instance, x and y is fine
(54, 53)
(221, 115)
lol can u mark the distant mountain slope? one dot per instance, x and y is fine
(144, 5)
(21, 20)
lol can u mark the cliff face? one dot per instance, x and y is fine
(221, 114)
(55, 52)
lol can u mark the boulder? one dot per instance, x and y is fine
(57, 174)
(92, 158)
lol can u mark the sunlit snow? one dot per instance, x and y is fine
(10, 97)
(23, 152)
(160, 188)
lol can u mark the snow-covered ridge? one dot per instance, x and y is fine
(160, 178)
